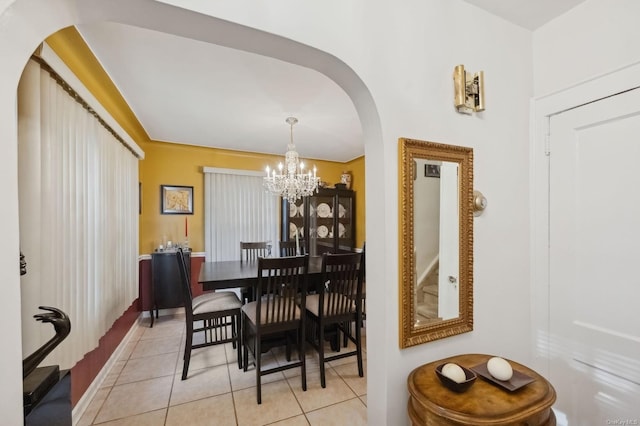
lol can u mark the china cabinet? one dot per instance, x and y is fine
(323, 222)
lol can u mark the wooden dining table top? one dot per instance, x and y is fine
(235, 273)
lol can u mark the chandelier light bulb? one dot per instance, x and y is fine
(294, 183)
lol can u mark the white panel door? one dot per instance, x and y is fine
(594, 254)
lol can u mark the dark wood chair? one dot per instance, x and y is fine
(217, 316)
(363, 266)
(282, 284)
(250, 251)
(335, 306)
(364, 291)
(289, 248)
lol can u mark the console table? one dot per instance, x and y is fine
(483, 403)
(166, 284)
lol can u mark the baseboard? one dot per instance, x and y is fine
(87, 397)
(162, 312)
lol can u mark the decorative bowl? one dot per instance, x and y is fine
(452, 384)
(341, 186)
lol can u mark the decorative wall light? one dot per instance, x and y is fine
(468, 90)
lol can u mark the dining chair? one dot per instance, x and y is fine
(363, 265)
(287, 248)
(364, 292)
(335, 306)
(216, 314)
(250, 251)
(282, 284)
(290, 248)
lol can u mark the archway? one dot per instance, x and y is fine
(25, 23)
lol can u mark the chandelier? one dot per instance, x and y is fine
(291, 182)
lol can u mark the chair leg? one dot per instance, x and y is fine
(245, 344)
(321, 353)
(234, 331)
(237, 336)
(347, 333)
(302, 353)
(359, 346)
(187, 350)
(258, 366)
(287, 346)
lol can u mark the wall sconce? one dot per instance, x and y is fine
(468, 90)
(479, 203)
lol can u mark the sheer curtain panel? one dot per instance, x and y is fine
(78, 217)
(237, 208)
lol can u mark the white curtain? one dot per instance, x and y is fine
(237, 208)
(78, 218)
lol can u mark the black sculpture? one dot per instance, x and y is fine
(23, 264)
(62, 326)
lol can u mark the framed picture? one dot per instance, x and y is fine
(176, 199)
(432, 170)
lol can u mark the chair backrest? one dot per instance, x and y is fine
(250, 251)
(185, 284)
(282, 282)
(363, 262)
(289, 248)
(342, 277)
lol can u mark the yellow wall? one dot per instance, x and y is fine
(175, 164)
(356, 167)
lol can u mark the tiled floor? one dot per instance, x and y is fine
(144, 387)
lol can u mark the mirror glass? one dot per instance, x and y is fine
(436, 244)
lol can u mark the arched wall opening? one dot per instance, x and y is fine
(26, 23)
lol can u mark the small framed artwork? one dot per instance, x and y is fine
(176, 199)
(432, 170)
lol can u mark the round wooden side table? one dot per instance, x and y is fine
(484, 403)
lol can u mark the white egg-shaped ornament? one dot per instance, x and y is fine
(454, 372)
(500, 368)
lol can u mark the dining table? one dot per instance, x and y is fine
(226, 274)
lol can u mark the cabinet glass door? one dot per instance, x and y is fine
(293, 222)
(344, 222)
(321, 211)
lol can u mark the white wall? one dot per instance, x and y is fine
(597, 37)
(396, 61)
(23, 25)
(584, 55)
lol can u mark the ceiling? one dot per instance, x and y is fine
(209, 95)
(530, 14)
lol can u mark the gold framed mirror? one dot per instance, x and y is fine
(436, 241)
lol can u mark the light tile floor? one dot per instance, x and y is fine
(144, 388)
